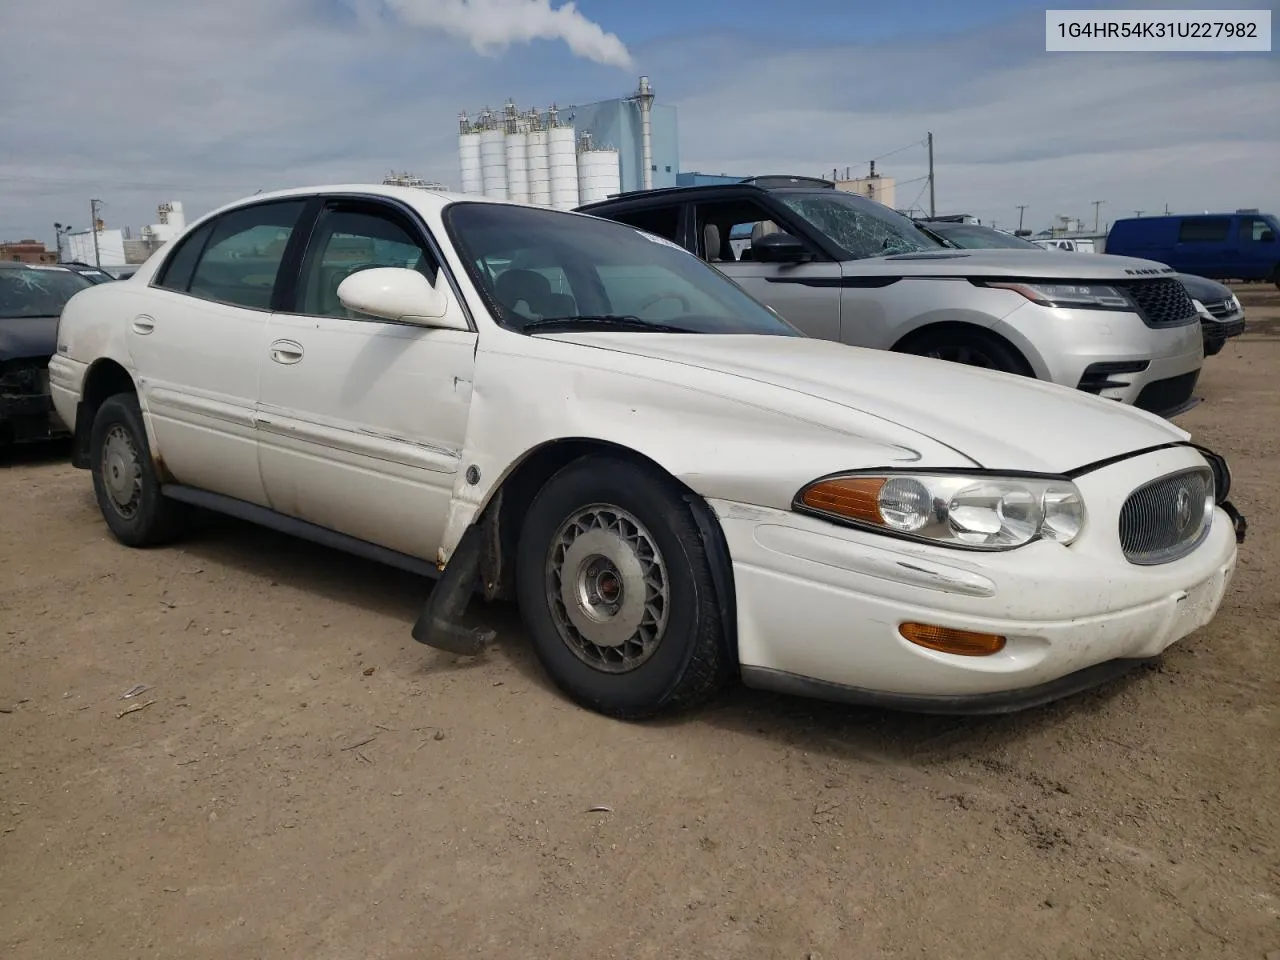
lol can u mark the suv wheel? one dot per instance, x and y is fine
(975, 348)
(124, 477)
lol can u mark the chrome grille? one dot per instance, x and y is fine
(1167, 518)
(1220, 308)
(1162, 303)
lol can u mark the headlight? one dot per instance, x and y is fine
(1087, 295)
(1202, 310)
(967, 511)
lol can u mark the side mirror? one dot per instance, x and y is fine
(779, 248)
(399, 294)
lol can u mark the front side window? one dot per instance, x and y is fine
(727, 227)
(37, 292)
(241, 260)
(860, 227)
(543, 268)
(1204, 230)
(1256, 230)
(349, 238)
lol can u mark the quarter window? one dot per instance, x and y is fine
(242, 259)
(182, 264)
(1204, 230)
(348, 239)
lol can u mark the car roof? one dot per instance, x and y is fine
(764, 184)
(434, 200)
(21, 264)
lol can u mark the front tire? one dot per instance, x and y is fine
(615, 586)
(124, 478)
(974, 348)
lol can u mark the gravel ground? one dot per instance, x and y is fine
(300, 779)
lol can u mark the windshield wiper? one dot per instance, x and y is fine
(607, 320)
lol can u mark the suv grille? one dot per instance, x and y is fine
(1162, 303)
(1220, 308)
(1166, 519)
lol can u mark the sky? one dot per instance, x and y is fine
(136, 102)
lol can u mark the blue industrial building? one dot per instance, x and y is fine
(617, 124)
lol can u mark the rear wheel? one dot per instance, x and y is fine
(615, 586)
(974, 348)
(124, 478)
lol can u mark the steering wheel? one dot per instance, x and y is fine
(665, 295)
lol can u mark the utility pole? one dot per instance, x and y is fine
(1166, 209)
(93, 225)
(1137, 213)
(1021, 207)
(1096, 205)
(933, 210)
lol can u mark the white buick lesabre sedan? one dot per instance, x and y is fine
(676, 486)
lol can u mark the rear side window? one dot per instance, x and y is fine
(240, 263)
(1204, 230)
(179, 267)
(661, 221)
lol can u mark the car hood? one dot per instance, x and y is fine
(1204, 290)
(1000, 421)
(23, 337)
(1023, 264)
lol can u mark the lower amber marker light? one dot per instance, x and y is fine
(963, 643)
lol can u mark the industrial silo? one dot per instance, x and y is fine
(469, 156)
(562, 163)
(493, 156)
(517, 155)
(539, 172)
(598, 172)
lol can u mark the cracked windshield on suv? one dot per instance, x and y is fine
(860, 227)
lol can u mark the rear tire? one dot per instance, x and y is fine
(125, 481)
(973, 347)
(615, 586)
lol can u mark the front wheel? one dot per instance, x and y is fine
(974, 348)
(124, 477)
(615, 586)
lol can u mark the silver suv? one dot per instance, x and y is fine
(841, 267)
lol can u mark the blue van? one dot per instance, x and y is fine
(1221, 246)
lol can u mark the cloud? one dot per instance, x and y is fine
(492, 25)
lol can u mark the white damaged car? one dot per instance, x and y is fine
(676, 486)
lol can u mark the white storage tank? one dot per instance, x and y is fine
(539, 171)
(493, 157)
(517, 155)
(562, 163)
(598, 173)
(469, 156)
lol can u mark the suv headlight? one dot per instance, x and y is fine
(1092, 296)
(968, 511)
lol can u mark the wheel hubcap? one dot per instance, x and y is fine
(608, 589)
(121, 472)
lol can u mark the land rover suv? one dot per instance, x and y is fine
(842, 267)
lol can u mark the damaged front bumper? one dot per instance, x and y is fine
(27, 414)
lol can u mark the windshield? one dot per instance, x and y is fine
(862, 228)
(36, 291)
(970, 236)
(535, 265)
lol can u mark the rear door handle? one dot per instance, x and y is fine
(286, 351)
(143, 325)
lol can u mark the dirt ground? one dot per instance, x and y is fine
(300, 779)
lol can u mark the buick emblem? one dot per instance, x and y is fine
(1182, 510)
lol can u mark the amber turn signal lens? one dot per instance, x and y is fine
(963, 643)
(857, 498)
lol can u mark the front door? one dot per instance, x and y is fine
(806, 295)
(196, 342)
(361, 421)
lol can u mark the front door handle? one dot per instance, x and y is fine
(286, 351)
(143, 325)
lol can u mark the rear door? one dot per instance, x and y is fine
(197, 339)
(1206, 246)
(1259, 248)
(361, 420)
